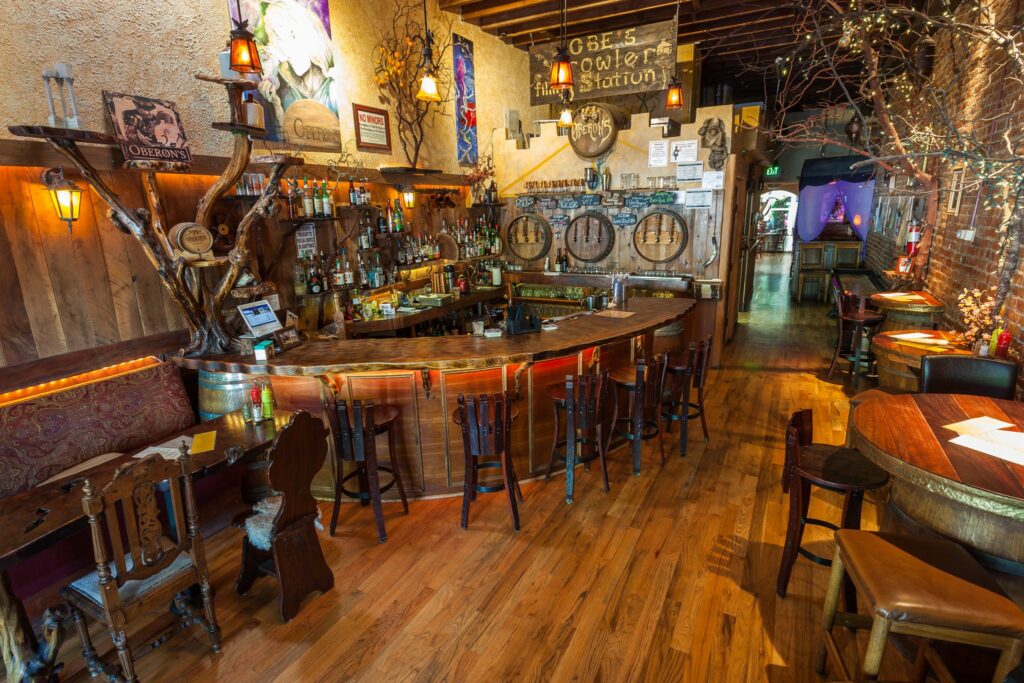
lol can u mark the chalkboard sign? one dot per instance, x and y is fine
(559, 221)
(569, 203)
(613, 200)
(589, 199)
(664, 197)
(638, 201)
(626, 60)
(624, 219)
(525, 202)
(547, 203)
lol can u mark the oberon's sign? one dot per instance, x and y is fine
(628, 60)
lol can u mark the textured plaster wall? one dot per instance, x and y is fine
(153, 47)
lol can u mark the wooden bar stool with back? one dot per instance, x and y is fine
(643, 385)
(693, 373)
(486, 424)
(584, 399)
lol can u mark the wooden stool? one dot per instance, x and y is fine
(583, 397)
(693, 373)
(644, 385)
(833, 468)
(356, 443)
(924, 587)
(486, 424)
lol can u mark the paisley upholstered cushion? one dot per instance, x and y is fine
(44, 436)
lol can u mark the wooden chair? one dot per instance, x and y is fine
(920, 587)
(643, 384)
(584, 399)
(165, 558)
(292, 552)
(355, 442)
(848, 254)
(810, 268)
(853, 322)
(833, 468)
(486, 424)
(693, 372)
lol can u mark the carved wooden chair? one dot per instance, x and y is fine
(289, 549)
(164, 559)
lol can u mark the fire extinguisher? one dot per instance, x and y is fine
(913, 236)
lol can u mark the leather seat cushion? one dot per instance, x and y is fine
(840, 467)
(927, 581)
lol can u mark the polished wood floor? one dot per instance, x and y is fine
(670, 577)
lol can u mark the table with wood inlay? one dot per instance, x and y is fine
(963, 494)
(899, 360)
(916, 309)
(39, 517)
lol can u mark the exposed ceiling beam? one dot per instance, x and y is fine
(605, 17)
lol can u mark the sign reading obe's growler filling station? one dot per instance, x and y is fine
(628, 60)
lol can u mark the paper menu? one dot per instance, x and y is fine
(913, 335)
(168, 449)
(977, 425)
(1000, 444)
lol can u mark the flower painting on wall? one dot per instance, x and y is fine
(465, 101)
(299, 85)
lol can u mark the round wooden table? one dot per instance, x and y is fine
(958, 492)
(913, 310)
(899, 360)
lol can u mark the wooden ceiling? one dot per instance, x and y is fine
(735, 38)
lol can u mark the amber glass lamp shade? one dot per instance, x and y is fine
(561, 70)
(65, 195)
(245, 58)
(674, 95)
(428, 89)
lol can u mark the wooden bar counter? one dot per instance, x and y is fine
(423, 376)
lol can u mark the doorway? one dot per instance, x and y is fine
(776, 220)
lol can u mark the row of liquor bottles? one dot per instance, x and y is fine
(317, 200)
(479, 238)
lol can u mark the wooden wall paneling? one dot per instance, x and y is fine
(402, 391)
(150, 294)
(119, 271)
(16, 342)
(30, 263)
(59, 254)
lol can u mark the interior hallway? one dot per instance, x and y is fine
(669, 577)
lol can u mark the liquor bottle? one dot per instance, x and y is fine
(348, 276)
(363, 279)
(299, 274)
(328, 200)
(399, 219)
(308, 208)
(252, 111)
(558, 261)
(314, 285)
(318, 201)
(300, 201)
(353, 198)
(337, 274)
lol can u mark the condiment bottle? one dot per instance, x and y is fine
(266, 402)
(256, 401)
(1003, 344)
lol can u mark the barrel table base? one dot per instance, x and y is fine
(906, 320)
(996, 538)
(893, 374)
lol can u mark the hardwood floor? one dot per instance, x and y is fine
(670, 577)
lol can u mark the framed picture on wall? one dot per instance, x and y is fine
(956, 190)
(373, 128)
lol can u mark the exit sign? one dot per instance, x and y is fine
(772, 171)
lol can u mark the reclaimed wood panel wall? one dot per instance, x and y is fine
(61, 292)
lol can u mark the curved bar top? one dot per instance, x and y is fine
(328, 356)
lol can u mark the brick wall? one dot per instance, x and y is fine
(957, 263)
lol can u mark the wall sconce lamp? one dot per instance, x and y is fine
(245, 58)
(674, 95)
(409, 197)
(65, 195)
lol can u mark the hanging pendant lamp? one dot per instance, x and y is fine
(245, 57)
(674, 95)
(561, 66)
(428, 83)
(565, 119)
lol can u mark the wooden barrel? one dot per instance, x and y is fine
(893, 374)
(222, 392)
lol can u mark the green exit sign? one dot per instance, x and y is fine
(772, 171)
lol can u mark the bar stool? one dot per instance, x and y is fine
(643, 384)
(356, 443)
(927, 588)
(693, 373)
(583, 397)
(833, 468)
(855, 319)
(486, 424)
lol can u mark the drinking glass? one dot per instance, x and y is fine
(652, 182)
